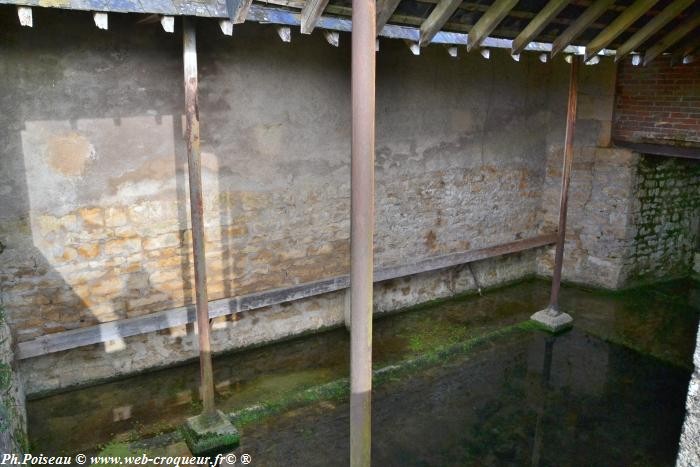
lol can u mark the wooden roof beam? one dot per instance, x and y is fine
(538, 23)
(591, 14)
(238, 10)
(623, 21)
(685, 50)
(385, 8)
(672, 37)
(652, 27)
(310, 14)
(437, 19)
(488, 22)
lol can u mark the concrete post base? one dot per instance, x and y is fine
(553, 320)
(210, 434)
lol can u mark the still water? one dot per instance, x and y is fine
(610, 392)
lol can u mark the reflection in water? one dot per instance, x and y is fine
(516, 402)
(546, 372)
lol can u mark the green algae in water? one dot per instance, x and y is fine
(311, 369)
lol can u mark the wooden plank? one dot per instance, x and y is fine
(437, 19)
(385, 8)
(168, 23)
(672, 37)
(101, 20)
(666, 150)
(332, 37)
(24, 14)
(184, 315)
(237, 10)
(591, 14)
(310, 15)
(538, 23)
(623, 21)
(488, 22)
(652, 27)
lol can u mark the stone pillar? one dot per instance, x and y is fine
(689, 450)
(13, 416)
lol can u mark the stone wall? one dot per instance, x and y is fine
(600, 228)
(689, 449)
(13, 416)
(666, 218)
(94, 210)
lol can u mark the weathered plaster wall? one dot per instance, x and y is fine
(94, 211)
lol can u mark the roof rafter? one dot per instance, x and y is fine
(385, 8)
(618, 26)
(591, 14)
(652, 27)
(238, 10)
(437, 19)
(310, 14)
(686, 49)
(672, 37)
(538, 23)
(489, 21)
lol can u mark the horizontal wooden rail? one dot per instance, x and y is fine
(183, 315)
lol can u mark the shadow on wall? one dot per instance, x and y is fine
(92, 173)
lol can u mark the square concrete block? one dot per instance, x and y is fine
(552, 320)
(210, 434)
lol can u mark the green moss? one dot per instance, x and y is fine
(339, 389)
(204, 439)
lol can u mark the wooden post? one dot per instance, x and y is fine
(552, 317)
(362, 228)
(197, 212)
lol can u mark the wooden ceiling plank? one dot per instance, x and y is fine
(591, 14)
(489, 21)
(652, 27)
(623, 21)
(538, 23)
(672, 37)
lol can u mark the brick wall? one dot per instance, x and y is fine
(658, 103)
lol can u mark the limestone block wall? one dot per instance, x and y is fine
(600, 228)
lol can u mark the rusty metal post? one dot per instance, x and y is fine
(552, 317)
(197, 213)
(364, 17)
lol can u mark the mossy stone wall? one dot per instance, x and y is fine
(667, 218)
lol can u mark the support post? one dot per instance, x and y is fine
(210, 431)
(197, 212)
(551, 317)
(364, 33)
